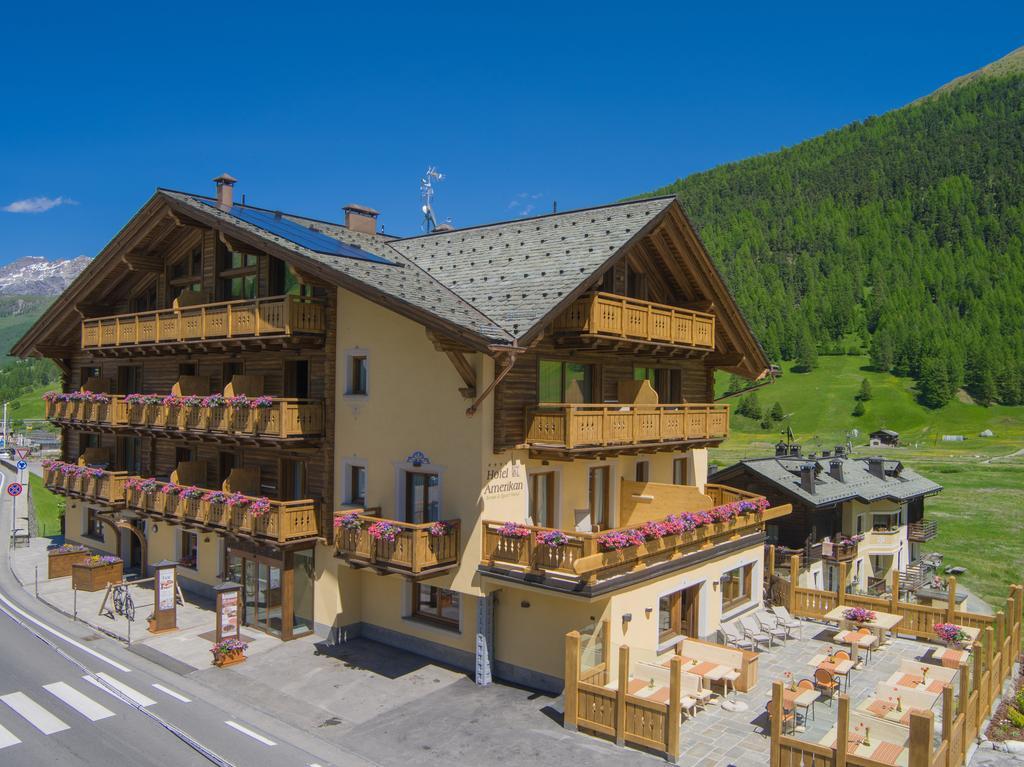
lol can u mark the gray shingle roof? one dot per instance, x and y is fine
(900, 483)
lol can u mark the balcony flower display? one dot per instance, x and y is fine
(143, 399)
(514, 530)
(555, 539)
(350, 521)
(170, 488)
(849, 540)
(216, 496)
(190, 493)
(94, 472)
(252, 403)
(65, 548)
(620, 539)
(147, 485)
(214, 400)
(72, 469)
(384, 531)
(76, 396)
(259, 506)
(439, 529)
(228, 651)
(97, 560)
(951, 634)
(858, 614)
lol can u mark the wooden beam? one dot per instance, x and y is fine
(466, 371)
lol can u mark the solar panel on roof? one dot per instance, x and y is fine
(300, 235)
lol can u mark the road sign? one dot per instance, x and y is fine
(23, 451)
(14, 489)
(22, 465)
(3, 442)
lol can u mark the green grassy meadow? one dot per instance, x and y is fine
(29, 405)
(981, 509)
(48, 507)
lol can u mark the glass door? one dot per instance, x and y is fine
(250, 592)
(271, 615)
(422, 497)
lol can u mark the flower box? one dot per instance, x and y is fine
(95, 573)
(229, 658)
(228, 652)
(60, 560)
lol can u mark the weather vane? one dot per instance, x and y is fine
(427, 193)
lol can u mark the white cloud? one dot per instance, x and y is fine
(521, 205)
(37, 204)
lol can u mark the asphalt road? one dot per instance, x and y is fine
(70, 696)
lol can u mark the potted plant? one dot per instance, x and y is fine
(954, 636)
(554, 539)
(514, 530)
(383, 531)
(858, 615)
(439, 529)
(60, 558)
(96, 572)
(228, 652)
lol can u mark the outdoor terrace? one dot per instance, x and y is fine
(606, 319)
(924, 531)
(278, 321)
(91, 484)
(389, 546)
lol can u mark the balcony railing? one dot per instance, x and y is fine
(612, 316)
(260, 317)
(921, 532)
(286, 418)
(571, 426)
(582, 557)
(286, 521)
(881, 540)
(418, 549)
(106, 488)
(835, 551)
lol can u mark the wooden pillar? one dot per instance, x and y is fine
(894, 600)
(1001, 642)
(794, 576)
(776, 722)
(947, 713)
(842, 730)
(990, 648)
(976, 684)
(770, 568)
(951, 601)
(965, 693)
(572, 678)
(922, 727)
(841, 588)
(620, 696)
(674, 708)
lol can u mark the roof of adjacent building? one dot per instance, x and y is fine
(858, 483)
(887, 432)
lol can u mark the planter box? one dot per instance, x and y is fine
(58, 564)
(85, 577)
(238, 656)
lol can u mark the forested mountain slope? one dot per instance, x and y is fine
(902, 234)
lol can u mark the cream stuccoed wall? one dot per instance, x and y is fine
(74, 526)
(164, 544)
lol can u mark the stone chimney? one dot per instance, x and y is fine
(781, 449)
(876, 467)
(794, 450)
(807, 477)
(225, 190)
(360, 218)
(835, 469)
(840, 449)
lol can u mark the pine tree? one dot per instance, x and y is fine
(806, 353)
(858, 409)
(750, 406)
(933, 385)
(776, 413)
(865, 390)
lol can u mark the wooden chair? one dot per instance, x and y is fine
(787, 717)
(807, 684)
(826, 682)
(864, 631)
(841, 655)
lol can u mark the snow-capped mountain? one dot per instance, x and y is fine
(37, 276)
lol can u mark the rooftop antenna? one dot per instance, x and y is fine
(427, 194)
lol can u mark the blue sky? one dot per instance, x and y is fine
(312, 107)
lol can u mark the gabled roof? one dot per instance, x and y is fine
(900, 483)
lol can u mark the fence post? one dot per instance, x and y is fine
(894, 600)
(965, 693)
(841, 587)
(1001, 642)
(842, 730)
(951, 602)
(771, 564)
(990, 647)
(947, 715)
(776, 721)
(979, 714)
(572, 678)
(674, 709)
(794, 576)
(620, 696)
(922, 726)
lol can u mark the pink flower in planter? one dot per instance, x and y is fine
(384, 531)
(514, 530)
(555, 539)
(258, 506)
(439, 529)
(190, 493)
(350, 521)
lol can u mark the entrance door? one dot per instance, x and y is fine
(679, 614)
(422, 497)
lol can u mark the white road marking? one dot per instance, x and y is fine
(36, 715)
(124, 689)
(6, 738)
(80, 702)
(172, 693)
(250, 733)
(11, 606)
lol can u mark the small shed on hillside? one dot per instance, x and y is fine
(884, 438)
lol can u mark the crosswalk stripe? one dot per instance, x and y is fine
(36, 715)
(250, 733)
(6, 738)
(124, 689)
(81, 703)
(172, 693)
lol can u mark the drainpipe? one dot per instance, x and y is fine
(508, 355)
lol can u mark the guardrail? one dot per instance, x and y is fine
(608, 314)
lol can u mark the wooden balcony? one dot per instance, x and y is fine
(923, 531)
(280, 321)
(570, 428)
(107, 488)
(286, 420)
(415, 552)
(840, 552)
(285, 522)
(603, 319)
(583, 561)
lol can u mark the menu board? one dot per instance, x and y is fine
(229, 613)
(165, 589)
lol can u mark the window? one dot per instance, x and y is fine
(436, 605)
(87, 373)
(561, 381)
(679, 471)
(600, 486)
(129, 379)
(636, 283)
(225, 463)
(231, 369)
(188, 272)
(664, 381)
(144, 301)
(129, 454)
(643, 471)
(735, 586)
(542, 499)
(238, 275)
(293, 480)
(188, 552)
(184, 455)
(188, 369)
(85, 441)
(422, 497)
(357, 374)
(678, 613)
(860, 524)
(93, 526)
(283, 281)
(296, 379)
(357, 485)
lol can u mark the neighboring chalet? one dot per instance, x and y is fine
(433, 442)
(867, 512)
(884, 438)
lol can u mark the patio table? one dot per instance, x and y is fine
(950, 657)
(915, 682)
(879, 750)
(887, 710)
(799, 698)
(882, 623)
(840, 667)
